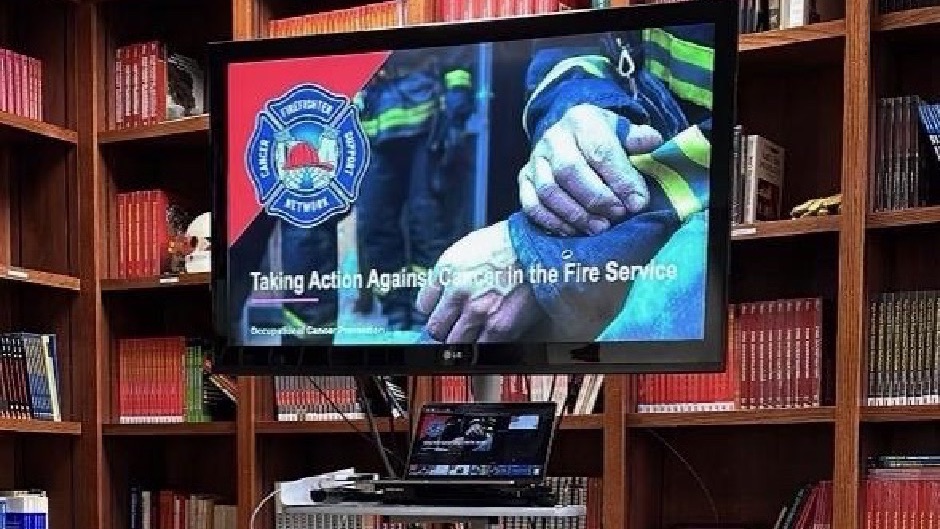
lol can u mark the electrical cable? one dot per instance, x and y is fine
(349, 422)
(254, 514)
(383, 452)
(561, 415)
(691, 470)
(393, 405)
(412, 401)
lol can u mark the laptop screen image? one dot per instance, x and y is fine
(506, 440)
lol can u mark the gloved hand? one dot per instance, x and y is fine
(578, 179)
(463, 306)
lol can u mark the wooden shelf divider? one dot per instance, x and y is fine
(731, 418)
(146, 283)
(907, 19)
(171, 429)
(900, 413)
(37, 277)
(750, 42)
(786, 228)
(29, 426)
(195, 129)
(20, 129)
(904, 217)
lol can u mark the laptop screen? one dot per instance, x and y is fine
(506, 440)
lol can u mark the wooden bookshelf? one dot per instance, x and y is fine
(732, 418)
(148, 283)
(776, 39)
(40, 427)
(919, 413)
(327, 427)
(811, 88)
(193, 130)
(173, 429)
(17, 129)
(904, 217)
(912, 18)
(785, 228)
(19, 274)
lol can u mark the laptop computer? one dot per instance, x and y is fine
(480, 443)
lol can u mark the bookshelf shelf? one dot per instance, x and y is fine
(752, 42)
(40, 427)
(326, 427)
(904, 217)
(900, 413)
(18, 274)
(191, 130)
(20, 129)
(732, 418)
(176, 429)
(786, 228)
(910, 18)
(149, 283)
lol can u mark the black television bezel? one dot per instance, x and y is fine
(705, 355)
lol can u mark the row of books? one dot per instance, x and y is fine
(757, 178)
(152, 85)
(585, 491)
(316, 398)
(150, 226)
(810, 508)
(576, 394)
(29, 377)
(776, 359)
(904, 348)
(764, 15)
(168, 509)
(167, 380)
(902, 491)
(904, 169)
(20, 84)
(330, 398)
(890, 6)
(402, 12)
(24, 509)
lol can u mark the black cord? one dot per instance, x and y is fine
(383, 452)
(560, 415)
(392, 405)
(351, 424)
(412, 400)
(691, 470)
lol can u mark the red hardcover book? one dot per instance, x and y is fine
(122, 235)
(4, 82)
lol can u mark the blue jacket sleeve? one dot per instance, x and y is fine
(572, 71)
(677, 176)
(457, 72)
(567, 72)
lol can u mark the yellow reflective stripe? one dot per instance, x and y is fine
(685, 51)
(397, 117)
(685, 90)
(457, 79)
(676, 188)
(695, 146)
(292, 319)
(592, 64)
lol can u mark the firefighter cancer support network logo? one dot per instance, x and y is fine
(307, 155)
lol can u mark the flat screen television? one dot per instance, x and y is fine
(542, 194)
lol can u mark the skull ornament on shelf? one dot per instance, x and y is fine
(199, 234)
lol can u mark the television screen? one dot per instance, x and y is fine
(541, 193)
